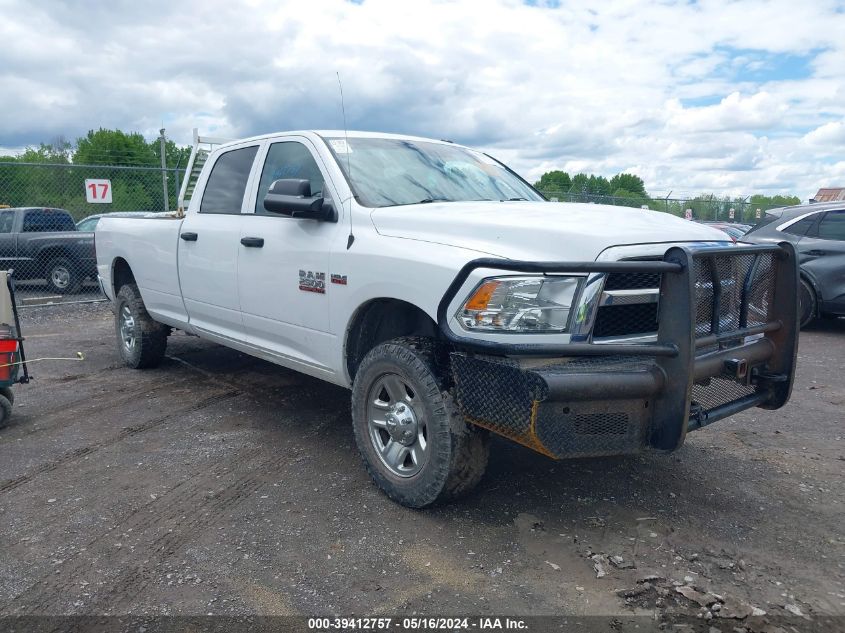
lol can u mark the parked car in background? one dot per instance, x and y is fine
(733, 229)
(90, 223)
(44, 243)
(818, 233)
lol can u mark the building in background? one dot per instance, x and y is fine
(829, 194)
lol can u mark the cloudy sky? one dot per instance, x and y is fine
(734, 97)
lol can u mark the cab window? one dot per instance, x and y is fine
(47, 221)
(288, 159)
(224, 191)
(7, 221)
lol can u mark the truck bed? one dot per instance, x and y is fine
(153, 242)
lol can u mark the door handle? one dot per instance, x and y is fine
(188, 236)
(816, 253)
(253, 242)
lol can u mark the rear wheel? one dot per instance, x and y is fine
(413, 440)
(807, 303)
(62, 276)
(141, 340)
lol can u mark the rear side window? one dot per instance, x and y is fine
(832, 226)
(7, 221)
(224, 191)
(47, 221)
(767, 219)
(802, 226)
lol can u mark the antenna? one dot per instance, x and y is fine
(348, 163)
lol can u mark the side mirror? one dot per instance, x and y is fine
(292, 196)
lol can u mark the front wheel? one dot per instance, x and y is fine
(807, 304)
(413, 440)
(141, 340)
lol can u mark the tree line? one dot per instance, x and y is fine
(629, 190)
(142, 188)
(53, 174)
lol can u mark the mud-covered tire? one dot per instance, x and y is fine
(7, 393)
(141, 340)
(5, 411)
(807, 303)
(456, 453)
(62, 276)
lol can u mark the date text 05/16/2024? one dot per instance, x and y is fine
(416, 623)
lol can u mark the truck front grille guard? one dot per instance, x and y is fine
(704, 313)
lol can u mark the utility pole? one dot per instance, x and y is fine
(164, 170)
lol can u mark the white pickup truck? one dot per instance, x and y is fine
(454, 300)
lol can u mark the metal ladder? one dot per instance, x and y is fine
(198, 157)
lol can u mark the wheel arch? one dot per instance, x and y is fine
(121, 274)
(51, 252)
(379, 320)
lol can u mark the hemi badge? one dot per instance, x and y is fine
(340, 280)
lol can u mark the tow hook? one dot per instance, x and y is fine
(738, 367)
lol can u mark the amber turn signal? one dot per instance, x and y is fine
(480, 299)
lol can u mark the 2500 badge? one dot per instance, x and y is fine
(309, 281)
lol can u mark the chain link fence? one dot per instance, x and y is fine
(48, 213)
(706, 208)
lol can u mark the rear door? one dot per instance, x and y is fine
(822, 254)
(209, 245)
(284, 282)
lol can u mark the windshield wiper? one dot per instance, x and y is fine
(427, 200)
(514, 200)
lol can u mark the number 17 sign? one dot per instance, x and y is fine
(97, 190)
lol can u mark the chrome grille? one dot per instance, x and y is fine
(631, 281)
(629, 301)
(625, 320)
(628, 305)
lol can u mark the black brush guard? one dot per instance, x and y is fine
(726, 341)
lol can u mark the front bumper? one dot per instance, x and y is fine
(726, 341)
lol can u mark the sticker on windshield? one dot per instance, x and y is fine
(340, 146)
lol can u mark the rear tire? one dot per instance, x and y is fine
(141, 340)
(807, 303)
(7, 393)
(414, 442)
(62, 276)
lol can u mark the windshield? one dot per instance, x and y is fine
(390, 172)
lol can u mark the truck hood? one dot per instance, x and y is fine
(551, 231)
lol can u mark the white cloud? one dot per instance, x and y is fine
(830, 135)
(600, 88)
(734, 113)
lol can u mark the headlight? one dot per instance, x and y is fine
(520, 305)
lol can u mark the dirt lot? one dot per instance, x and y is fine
(223, 484)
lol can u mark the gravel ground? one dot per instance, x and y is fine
(223, 484)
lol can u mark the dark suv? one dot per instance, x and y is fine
(818, 233)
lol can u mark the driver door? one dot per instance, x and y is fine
(283, 264)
